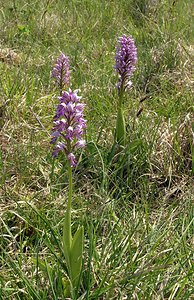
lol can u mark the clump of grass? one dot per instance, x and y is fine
(133, 254)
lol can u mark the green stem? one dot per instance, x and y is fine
(68, 212)
(67, 236)
(120, 126)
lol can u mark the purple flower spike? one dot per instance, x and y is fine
(69, 125)
(125, 58)
(61, 72)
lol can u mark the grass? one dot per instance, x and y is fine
(137, 209)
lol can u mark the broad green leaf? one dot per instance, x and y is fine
(76, 256)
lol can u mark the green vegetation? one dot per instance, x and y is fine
(136, 207)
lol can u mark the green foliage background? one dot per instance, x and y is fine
(138, 226)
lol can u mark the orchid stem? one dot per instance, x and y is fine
(120, 127)
(67, 236)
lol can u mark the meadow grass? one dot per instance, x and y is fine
(136, 208)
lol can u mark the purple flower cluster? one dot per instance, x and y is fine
(69, 125)
(126, 58)
(61, 72)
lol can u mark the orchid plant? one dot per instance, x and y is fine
(69, 126)
(125, 60)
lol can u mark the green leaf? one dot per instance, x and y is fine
(40, 263)
(76, 256)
